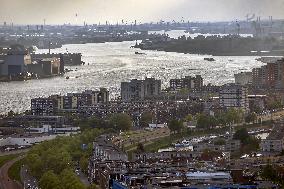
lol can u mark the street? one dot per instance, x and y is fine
(5, 181)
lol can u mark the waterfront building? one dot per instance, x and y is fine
(140, 89)
(86, 98)
(187, 82)
(243, 78)
(270, 75)
(14, 63)
(234, 96)
(43, 106)
(72, 101)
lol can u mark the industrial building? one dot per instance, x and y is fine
(15, 62)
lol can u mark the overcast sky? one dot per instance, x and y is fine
(95, 11)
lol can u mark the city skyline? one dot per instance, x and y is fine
(95, 11)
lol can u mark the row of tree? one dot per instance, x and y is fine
(53, 162)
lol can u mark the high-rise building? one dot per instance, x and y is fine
(270, 75)
(243, 78)
(234, 96)
(43, 106)
(140, 89)
(187, 82)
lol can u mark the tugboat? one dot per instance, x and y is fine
(209, 59)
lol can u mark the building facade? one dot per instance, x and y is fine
(234, 96)
(187, 83)
(243, 78)
(140, 89)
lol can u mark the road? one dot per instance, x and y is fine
(28, 180)
(5, 153)
(5, 181)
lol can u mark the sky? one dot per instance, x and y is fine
(98, 11)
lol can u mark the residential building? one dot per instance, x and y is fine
(187, 83)
(43, 106)
(243, 78)
(232, 145)
(140, 89)
(270, 75)
(104, 150)
(275, 140)
(234, 96)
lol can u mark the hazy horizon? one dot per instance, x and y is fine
(97, 11)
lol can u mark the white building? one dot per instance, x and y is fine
(53, 130)
(234, 96)
(25, 140)
(243, 78)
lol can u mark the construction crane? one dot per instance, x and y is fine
(250, 17)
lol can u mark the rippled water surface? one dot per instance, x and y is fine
(110, 63)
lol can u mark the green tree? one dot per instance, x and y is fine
(175, 125)
(206, 122)
(146, 118)
(84, 164)
(252, 117)
(268, 172)
(220, 142)
(121, 121)
(70, 181)
(242, 135)
(93, 186)
(49, 180)
(188, 118)
(234, 115)
(140, 148)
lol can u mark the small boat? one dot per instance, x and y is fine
(139, 53)
(209, 59)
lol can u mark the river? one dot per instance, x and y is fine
(107, 64)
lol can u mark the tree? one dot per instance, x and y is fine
(269, 172)
(93, 186)
(70, 181)
(121, 121)
(252, 117)
(234, 115)
(84, 164)
(188, 118)
(140, 148)
(146, 118)
(175, 125)
(206, 122)
(49, 180)
(242, 135)
(220, 142)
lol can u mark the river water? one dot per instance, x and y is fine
(107, 64)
